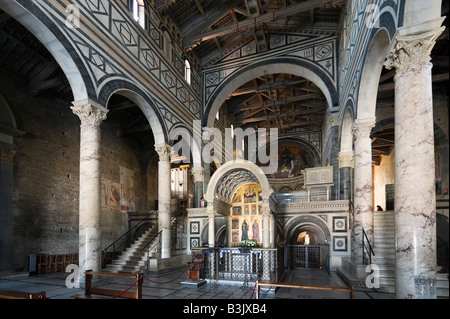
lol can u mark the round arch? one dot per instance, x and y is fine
(346, 131)
(57, 44)
(226, 169)
(190, 142)
(309, 223)
(7, 118)
(370, 77)
(137, 96)
(279, 65)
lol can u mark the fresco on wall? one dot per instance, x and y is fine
(110, 195)
(246, 213)
(126, 190)
(292, 159)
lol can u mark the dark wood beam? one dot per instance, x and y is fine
(256, 21)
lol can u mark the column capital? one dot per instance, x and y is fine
(346, 159)
(265, 195)
(362, 128)
(164, 151)
(412, 50)
(197, 173)
(7, 154)
(265, 205)
(89, 112)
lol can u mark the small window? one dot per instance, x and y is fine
(138, 10)
(187, 71)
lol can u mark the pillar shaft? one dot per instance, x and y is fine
(265, 206)
(362, 201)
(197, 176)
(415, 195)
(91, 116)
(345, 175)
(164, 196)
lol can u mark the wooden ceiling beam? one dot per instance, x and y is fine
(255, 21)
(280, 116)
(285, 101)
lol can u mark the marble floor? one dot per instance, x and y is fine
(170, 286)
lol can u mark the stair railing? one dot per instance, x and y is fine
(367, 248)
(124, 240)
(153, 238)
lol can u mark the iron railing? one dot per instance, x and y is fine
(125, 240)
(243, 264)
(367, 248)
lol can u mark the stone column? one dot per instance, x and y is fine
(197, 178)
(7, 153)
(91, 116)
(164, 197)
(211, 217)
(265, 206)
(415, 194)
(363, 201)
(228, 220)
(345, 175)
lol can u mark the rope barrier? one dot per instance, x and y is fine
(256, 283)
(137, 280)
(168, 282)
(127, 289)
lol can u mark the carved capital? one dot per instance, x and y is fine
(197, 174)
(7, 154)
(90, 113)
(164, 151)
(412, 50)
(362, 128)
(346, 159)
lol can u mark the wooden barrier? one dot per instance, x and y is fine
(98, 293)
(13, 294)
(291, 285)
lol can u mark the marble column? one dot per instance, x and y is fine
(7, 153)
(211, 213)
(91, 116)
(265, 206)
(197, 178)
(415, 194)
(164, 197)
(345, 175)
(362, 196)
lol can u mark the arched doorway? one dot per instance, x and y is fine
(222, 187)
(307, 239)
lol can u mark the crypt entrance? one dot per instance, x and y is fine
(307, 244)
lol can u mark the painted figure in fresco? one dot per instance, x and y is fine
(285, 162)
(244, 230)
(250, 195)
(255, 228)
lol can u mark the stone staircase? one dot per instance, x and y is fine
(134, 258)
(384, 247)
